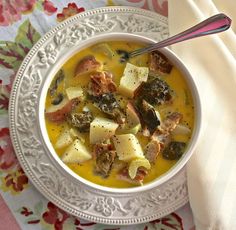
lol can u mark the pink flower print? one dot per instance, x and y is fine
(55, 216)
(11, 10)
(70, 10)
(49, 8)
(7, 155)
(15, 182)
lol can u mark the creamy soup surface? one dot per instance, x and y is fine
(119, 124)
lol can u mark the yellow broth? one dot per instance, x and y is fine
(182, 103)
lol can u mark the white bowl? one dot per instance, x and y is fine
(176, 62)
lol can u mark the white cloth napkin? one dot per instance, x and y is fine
(212, 62)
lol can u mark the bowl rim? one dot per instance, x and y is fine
(175, 60)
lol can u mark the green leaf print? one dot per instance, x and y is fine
(13, 53)
(27, 36)
(39, 5)
(4, 99)
(10, 57)
(38, 208)
(108, 227)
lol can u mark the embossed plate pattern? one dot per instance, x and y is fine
(45, 173)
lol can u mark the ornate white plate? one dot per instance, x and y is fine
(47, 174)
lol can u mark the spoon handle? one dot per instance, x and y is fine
(215, 24)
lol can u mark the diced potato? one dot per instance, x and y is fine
(76, 134)
(122, 101)
(104, 49)
(76, 153)
(132, 130)
(73, 132)
(75, 92)
(132, 124)
(64, 139)
(132, 78)
(67, 137)
(135, 164)
(102, 129)
(127, 147)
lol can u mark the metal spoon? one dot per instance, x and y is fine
(215, 24)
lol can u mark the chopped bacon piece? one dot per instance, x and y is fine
(138, 180)
(101, 147)
(101, 83)
(105, 156)
(162, 133)
(132, 114)
(170, 122)
(152, 150)
(159, 63)
(87, 65)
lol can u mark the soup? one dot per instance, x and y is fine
(115, 123)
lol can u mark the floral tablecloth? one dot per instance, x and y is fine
(22, 23)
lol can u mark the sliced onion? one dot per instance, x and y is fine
(181, 129)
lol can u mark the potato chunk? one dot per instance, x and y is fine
(130, 130)
(74, 133)
(64, 139)
(67, 137)
(132, 78)
(127, 147)
(75, 92)
(76, 153)
(102, 129)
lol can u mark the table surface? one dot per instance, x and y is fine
(21, 205)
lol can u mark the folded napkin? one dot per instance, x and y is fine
(211, 171)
